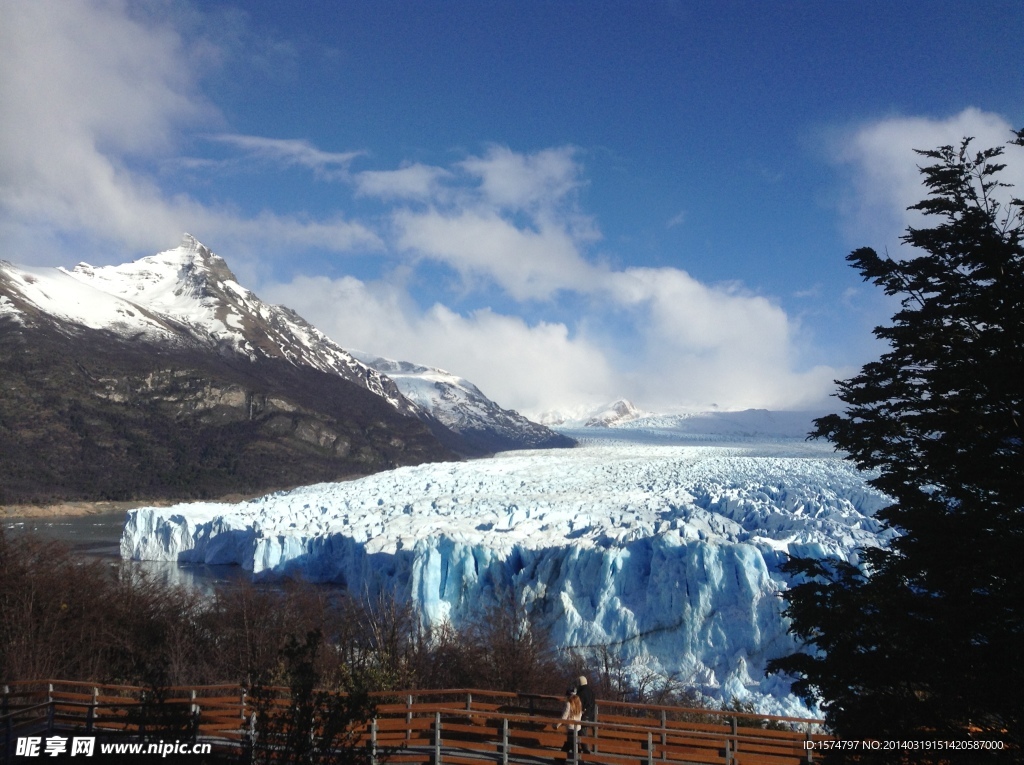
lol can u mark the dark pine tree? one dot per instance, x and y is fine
(926, 640)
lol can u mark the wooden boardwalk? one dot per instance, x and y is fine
(459, 726)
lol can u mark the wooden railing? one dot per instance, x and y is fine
(435, 726)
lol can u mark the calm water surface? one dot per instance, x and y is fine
(98, 537)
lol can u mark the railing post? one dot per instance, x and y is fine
(650, 748)
(195, 715)
(90, 717)
(595, 728)
(504, 741)
(809, 749)
(49, 709)
(437, 738)
(408, 719)
(8, 728)
(664, 728)
(469, 701)
(143, 713)
(373, 741)
(574, 755)
(735, 740)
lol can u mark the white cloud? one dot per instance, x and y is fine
(524, 181)
(83, 88)
(696, 346)
(886, 179)
(416, 181)
(89, 95)
(714, 345)
(684, 343)
(527, 262)
(507, 218)
(524, 366)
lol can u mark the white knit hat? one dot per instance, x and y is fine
(582, 680)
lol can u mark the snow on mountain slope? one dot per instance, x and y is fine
(461, 406)
(33, 292)
(669, 554)
(607, 415)
(617, 413)
(185, 296)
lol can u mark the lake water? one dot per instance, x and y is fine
(98, 537)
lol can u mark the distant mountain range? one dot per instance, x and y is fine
(617, 413)
(460, 406)
(624, 418)
(165, 377)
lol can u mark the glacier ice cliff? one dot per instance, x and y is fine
(667, 554)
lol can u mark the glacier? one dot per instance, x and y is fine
(663, 547)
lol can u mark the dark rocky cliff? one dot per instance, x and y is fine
(88, 415)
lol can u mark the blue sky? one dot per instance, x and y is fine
(564, 202)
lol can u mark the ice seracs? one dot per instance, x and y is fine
(668, 554)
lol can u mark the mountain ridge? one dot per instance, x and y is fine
(202, 355)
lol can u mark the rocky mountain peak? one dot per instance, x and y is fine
(202, 266)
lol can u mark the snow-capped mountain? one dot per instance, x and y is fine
(623, 416)
(666, 553)
(462, 407)
(617, 413)
(719, 425)
(165, 378)
(614, 414)
(186, 297)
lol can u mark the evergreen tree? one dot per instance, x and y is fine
(926, 638)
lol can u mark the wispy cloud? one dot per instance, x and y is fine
(292, 152)
(509, 219)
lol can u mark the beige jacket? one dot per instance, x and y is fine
(573, 711)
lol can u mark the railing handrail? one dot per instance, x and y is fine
(480, 692)
(227, 720)
(11, 715)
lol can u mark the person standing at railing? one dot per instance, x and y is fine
(589, 704)
(572, 713)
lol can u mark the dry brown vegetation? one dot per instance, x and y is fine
(92, 621)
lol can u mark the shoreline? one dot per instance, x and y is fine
(77, 508)
(74, 509)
